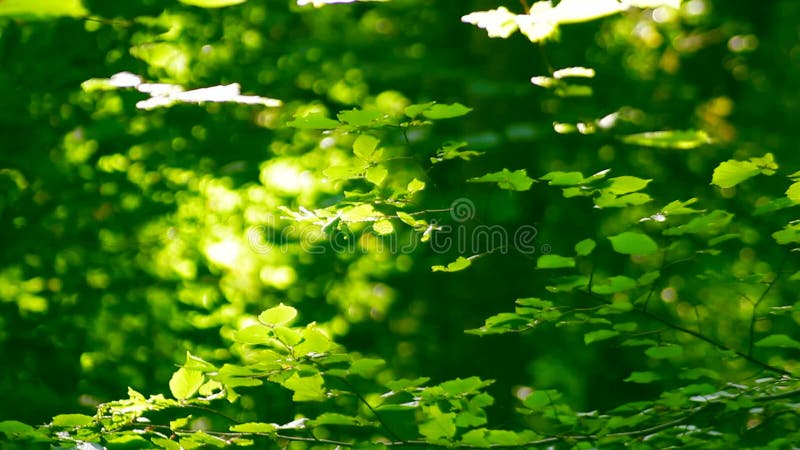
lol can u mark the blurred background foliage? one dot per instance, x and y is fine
(129, 237)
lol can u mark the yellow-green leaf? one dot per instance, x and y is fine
(278, 315)
(212, 3)
(184, 383)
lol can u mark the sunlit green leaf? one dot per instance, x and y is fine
(364, 146)
(72, 420)
(306, 388)
(732, 172)
(625, 185)
(441, 426)
(517, 180)
(554, 262)
(376, 174)
(460, 263)
(212, 3)
(278, 315)
(563, 178)
(415, 186)
(42, 8)
(360, 213)
(360, 117)
(452, 150)
(254, 427)
(439, 111)
(367, 367)
(413, 111)
(383, 227)
(633, 243)
(184, 383)
(682, 140)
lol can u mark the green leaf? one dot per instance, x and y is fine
(306, 389)
(452, 150)
(599, 335)
(633, 243)
(315, 121)
(375, 174)
(664, 351)
(500, 438)
(338, 419)
(461, 386)
(197, 363)
(383, 227)
(625, 185)
(677, 208)
(254, 427)
(367, 367)
(563, 178)
(682, 140)
(166, 443)
(12, 427)
(438, 111)
(360, 213)
(643, 377)
(72, 420)
(554, 262)
(505, 179)
(460, 263)
(585, 247)
(360, 117)
(42, 8)
(415, 186)
(775, 205)
(732, 172)
(609, 200)
(439, 427)
(212, 3)
(710, 223)
(793, 193)
(790, 233)
(413, 111)
(184, 383)
(540, 398)
(254, 334)
(364, 146)
(278, 315)
(778, 340)
(613, 285)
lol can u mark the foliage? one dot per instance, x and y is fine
(311, 261)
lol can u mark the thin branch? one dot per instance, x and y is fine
(525, 6)
(361, 398)
(702, 337)
(752, 329)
